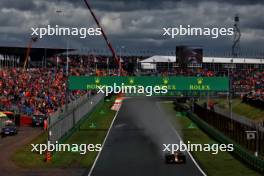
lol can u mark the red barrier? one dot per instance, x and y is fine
(25, 120)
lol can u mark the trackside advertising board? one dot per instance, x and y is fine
(173, 83)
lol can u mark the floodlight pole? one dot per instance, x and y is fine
(107, 66)
(230, 95)
(257, 141)
(67, 77)
(168, 66)
(120, 61)
(137, 65)
(45, 57)
(235, 50)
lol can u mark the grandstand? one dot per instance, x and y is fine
(41, 89)
(247, 73)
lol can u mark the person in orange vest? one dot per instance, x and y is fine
(48, 156)
(45, 124)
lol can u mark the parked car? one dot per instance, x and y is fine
(38, 120)
(9, 129)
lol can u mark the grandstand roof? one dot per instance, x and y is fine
(232, 60)
(157, 58)
(35, 53)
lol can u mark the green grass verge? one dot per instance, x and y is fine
(240, 108)
(25, 158)
(91, 131)
(219, 164)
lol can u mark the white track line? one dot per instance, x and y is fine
(172, 127)
(98, 155)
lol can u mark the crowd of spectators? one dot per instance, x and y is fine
(246, 81)
(249, 80)
(251, 83)
(36, 90)
(43, 90)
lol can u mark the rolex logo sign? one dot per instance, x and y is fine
(97, 80)
(200, 85)
(200, 81)
(165, 80)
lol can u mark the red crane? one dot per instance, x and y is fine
(32, 40)
(117, 60)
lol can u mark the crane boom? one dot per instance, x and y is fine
(117, 60)
(32, 40)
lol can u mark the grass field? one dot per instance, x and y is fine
(92, 131)
(240, 108)
(214, 165)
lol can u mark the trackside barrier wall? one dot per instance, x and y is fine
(233, 128)
(78, 124)
(59, 113)
(178, 93)
(68, 120)
(243, 154)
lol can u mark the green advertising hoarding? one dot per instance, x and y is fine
(173, 83)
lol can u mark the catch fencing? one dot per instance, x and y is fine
(62, 124)
(229, 131)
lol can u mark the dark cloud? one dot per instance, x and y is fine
(27, 5)
(136, 5)
(134, 24)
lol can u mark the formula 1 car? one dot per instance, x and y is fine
(9, 129)
(175, 158)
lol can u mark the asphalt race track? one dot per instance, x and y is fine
(134, 144)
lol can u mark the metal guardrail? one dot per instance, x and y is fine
(54, 117)
(245, 155)
(238, 118)
(233, 128)
(65, 122)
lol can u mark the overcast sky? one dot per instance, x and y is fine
(135, 24)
